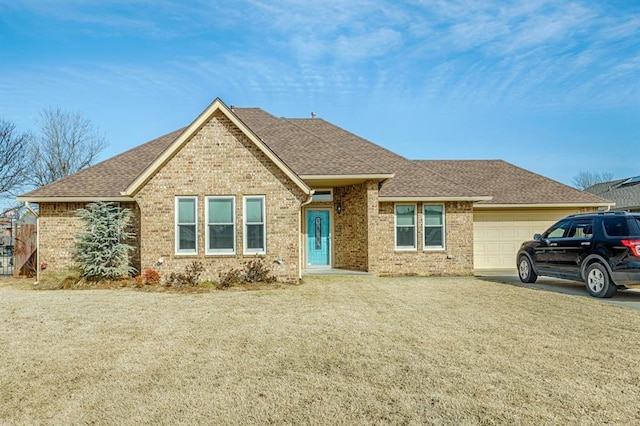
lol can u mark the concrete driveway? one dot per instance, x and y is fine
(627, 298)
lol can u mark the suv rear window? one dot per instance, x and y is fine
(635, 223)
(616, 226)
(581, 228)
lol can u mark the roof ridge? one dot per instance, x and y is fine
(338, 146)
(335, 146)
(375, 145)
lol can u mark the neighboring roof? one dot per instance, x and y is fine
(511, 185)
(624, 192)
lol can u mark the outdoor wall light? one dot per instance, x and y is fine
(339, 208)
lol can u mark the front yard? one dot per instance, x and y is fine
(338, 350)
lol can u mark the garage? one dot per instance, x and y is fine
(499, 233)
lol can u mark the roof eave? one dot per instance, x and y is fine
(331, 181)
(473, 198)
(67, 199)
(539, 205)
(375, 176)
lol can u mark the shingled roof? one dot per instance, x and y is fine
(624, 192)
(107, 179)
(305, 151)
(314, 147)
(511, 185)
(349, 154)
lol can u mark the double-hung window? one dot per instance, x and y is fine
(405, 218)
(434, 227)
(221, 225)
(255, 227)
(186, 225)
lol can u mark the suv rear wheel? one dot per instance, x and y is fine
(598, 282)
(525, 270)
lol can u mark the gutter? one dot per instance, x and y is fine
(73, 199)
(435, 199)
(489, 206)
(300, 243)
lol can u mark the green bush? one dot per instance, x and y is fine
(100, 251)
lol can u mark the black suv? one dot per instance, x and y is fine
(601, 248)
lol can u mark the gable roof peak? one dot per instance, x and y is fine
(192, 129)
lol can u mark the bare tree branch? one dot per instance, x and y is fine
(13, 159)
(584, 180)
(68, 143)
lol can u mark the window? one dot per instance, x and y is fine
(616, 226)
(322, 195)
(254, 225)
(221, 225)
(581, 228)
(433, 227)
(405, 226)
(186, 225)
(558, 230)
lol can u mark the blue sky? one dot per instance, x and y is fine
(551, 86)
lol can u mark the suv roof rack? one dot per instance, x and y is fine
(608, 213)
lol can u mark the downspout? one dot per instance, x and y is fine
(300, 242)
(26, 204)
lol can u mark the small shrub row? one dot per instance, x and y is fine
(254, 271)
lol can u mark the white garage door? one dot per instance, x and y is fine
(497, 235)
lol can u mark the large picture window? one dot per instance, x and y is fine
(434, 227)
(405, 217)
(186, 225)
(255, 228)
(221, 226)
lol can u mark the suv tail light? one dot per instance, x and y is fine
(634, 245)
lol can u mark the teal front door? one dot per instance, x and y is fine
(318, 240)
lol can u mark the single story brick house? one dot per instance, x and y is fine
(240, 183)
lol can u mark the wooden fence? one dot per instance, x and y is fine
(25, 251)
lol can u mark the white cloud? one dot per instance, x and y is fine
(474, 51)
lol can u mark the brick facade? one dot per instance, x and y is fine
(58, 225)
(350, 228)
(57, 228)
(220, 160)
(364, 236)
(455, 259)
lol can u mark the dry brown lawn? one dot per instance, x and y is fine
(335, 350)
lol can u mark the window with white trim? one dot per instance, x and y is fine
(221, 225)
(405, 224)
(255, 227)
(433, 221)
(186, 225)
